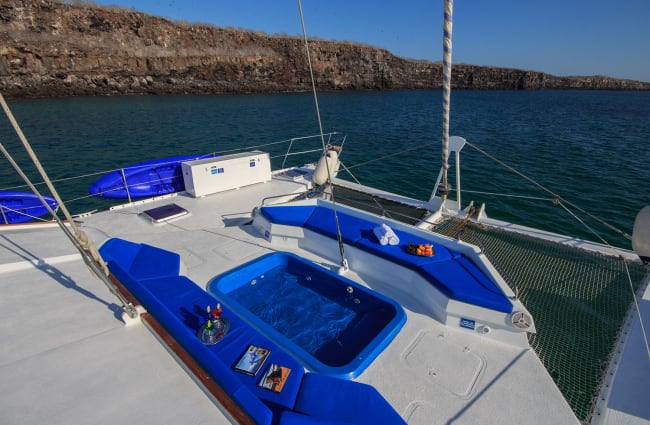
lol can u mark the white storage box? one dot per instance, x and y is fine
(206, 176)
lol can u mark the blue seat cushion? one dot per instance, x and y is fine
(151, 262)
(448, 270)
(178, 320)
(188, 302)
(461, 280)
(399, 253)
(293, 418)
(180, 307)
(121, 251)
(295, 215)
(141, 261)
(322, 221)
(344, 401)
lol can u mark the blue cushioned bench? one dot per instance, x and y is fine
(449, 271)
(152, 275)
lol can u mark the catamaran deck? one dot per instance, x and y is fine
(63, 339)
(66, 357)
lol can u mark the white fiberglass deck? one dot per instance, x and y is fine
(67, 357)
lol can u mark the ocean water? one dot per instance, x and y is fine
(588, 147)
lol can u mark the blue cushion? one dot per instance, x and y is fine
(187, 302)
(449, 271)
(322, 221)
(461, 280)
(141, 261)
(179, 305)
(168, 316)
(293, 418)
(345, 401)
(151, 262)
(121, 251)
(295, 215)
(399, 253)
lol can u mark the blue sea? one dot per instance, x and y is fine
(588, 147)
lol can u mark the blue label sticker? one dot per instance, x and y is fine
(467, 323)
(267, 234)
(251, 163)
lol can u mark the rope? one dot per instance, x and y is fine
(446, 92)
(344, 262)
(79, 239)
(37, 163)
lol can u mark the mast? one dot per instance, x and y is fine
(446, 94)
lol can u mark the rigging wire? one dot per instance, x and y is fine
(18, 212)
(344, 261)
(629, 278)
(556, 197)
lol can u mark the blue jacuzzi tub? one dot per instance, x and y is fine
(328, 322)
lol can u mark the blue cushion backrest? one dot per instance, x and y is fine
(141, 261)
(295, 215)
(322, 221)
(461, 280)
(399, 253)
(335, 399)
(151, 262)
(121, 251)
(187, 302)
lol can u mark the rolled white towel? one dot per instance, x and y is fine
(380, 233)
(392, 237)
(385, 235)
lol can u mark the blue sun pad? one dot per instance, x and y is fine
(449, 271)
(179, 306)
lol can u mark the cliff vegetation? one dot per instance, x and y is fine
(50, 48)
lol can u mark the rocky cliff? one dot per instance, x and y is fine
(60, 49)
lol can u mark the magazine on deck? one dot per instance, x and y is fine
(275, 377)
(252, 360)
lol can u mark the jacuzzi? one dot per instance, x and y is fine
(329, 323)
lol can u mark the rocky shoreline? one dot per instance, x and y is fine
(52, 49)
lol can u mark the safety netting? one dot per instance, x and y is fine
(578, 298)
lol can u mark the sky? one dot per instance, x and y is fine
(559, 37)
